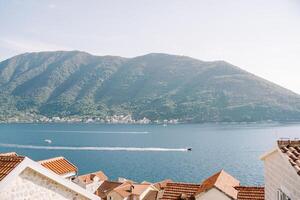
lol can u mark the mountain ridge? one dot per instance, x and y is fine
(155, 85)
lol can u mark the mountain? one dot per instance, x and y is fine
(156, 86)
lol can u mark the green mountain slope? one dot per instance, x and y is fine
(156, 86)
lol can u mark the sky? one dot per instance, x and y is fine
(262, 37)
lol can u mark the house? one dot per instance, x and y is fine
(219, 186)
(22, 178)
(161, 186)
(129, 190)
(282, 171)
(177, 191)
(151, 195)
(250, 193)
(60, 166)
(106, 187)
(92, 181)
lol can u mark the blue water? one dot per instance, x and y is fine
(235, 148)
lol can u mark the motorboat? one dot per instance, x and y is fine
(48, 141)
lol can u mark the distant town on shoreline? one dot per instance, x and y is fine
(115, 119)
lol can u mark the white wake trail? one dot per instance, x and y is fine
(77, 131)
(87, 148)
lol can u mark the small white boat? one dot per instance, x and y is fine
(48, 141)
(165, 125)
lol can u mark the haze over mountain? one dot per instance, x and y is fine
(156, 86)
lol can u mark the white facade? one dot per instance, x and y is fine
(280, 175)
(213, 194)
(32, 185)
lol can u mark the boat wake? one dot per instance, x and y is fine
(87, 148)
(77, 131)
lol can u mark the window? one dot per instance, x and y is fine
(282, 196)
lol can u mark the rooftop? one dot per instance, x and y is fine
(59, 165)
(250, 193)
(222, 181)
(291, 148)
(106, 187)
(9, 163)
(11, 166)
(151, 195)
(129, 188)
(88, 178)
(175, 191)
(162, 184)
(9, 154)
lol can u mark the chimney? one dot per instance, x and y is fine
(131, 188)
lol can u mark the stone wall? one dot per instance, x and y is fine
(32, 185)
(279, 174)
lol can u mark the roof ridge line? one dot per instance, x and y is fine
(51, 159)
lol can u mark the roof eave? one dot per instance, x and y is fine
(266, 154)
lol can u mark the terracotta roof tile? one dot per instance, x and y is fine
(59, 165)
(174, 191)
(8, 163)
(222, 181)
(88, 178)
(291, 148)
(250, 193)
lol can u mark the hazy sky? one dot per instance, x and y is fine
(260, 36)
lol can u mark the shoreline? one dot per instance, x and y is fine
(161, 124)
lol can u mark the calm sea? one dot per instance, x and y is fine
(152, 152)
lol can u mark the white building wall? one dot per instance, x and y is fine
(146, 192)
(92, 187)
(213, 194)
(34, 186)
(279, 174)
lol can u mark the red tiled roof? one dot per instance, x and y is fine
(222, 181)
(250, 193)
(175, 191)
(88, 178)
(291, 148)
(8, 163)
(59, 165)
